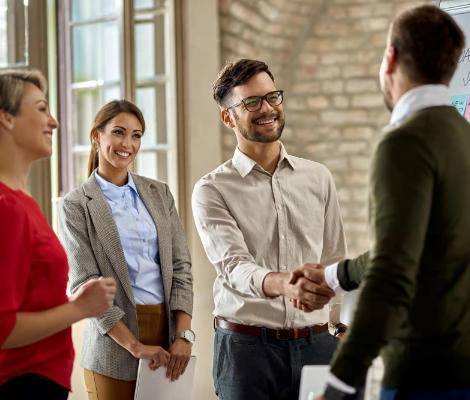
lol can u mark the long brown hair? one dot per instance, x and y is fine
(103, 116)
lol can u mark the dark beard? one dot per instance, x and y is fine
(260, 138)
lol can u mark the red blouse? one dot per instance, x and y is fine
(33, 277)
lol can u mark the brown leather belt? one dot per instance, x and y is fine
(280, 334)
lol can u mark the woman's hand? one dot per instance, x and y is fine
(157, 355)
(94, 297)
(180, 352)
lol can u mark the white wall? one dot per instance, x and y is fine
(203, 145)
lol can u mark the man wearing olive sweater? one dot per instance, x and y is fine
(414, 307)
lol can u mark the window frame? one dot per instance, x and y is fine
(129, 85)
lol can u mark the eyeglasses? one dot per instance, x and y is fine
(254, 103)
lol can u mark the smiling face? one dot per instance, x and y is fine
(32, 127)
(118, 144)
(262, 126)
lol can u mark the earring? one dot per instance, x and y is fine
(11, 127)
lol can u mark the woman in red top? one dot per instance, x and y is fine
(36, 352)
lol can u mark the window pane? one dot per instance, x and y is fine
(96, 52)
(153, 165)
(80, 166)
(147, 4)
(146, 164)
(150, 48)
(162, 166)
(83, 10)
(13, 33)
(152, 102)
(85, 104)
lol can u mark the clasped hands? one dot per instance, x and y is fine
(307, 288)
(175, 360)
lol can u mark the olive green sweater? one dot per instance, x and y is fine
(415, 301)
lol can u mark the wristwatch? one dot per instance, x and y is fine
(187, 335)
(339, 329)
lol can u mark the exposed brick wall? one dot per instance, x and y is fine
(325, 54)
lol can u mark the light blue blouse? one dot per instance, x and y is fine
(138, 235)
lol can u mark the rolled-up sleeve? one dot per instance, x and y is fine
(82, 261)
(224, 242)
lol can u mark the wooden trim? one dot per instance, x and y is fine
(65, 97)
(128, 51)
(183, 196)
(39, 182)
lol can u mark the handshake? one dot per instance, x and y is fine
(307, 289)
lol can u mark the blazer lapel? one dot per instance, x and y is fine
(152, 199)
(108, 235)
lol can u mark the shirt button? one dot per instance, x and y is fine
(143, 240)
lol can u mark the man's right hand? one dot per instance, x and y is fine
(313, 276)
(306, 285)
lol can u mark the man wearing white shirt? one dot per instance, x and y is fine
(261, 215)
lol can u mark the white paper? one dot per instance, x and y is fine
(154, 385)
(312, 381)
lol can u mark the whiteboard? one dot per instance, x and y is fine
(460, 84)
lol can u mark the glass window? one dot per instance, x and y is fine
(101, 64)
(152, 163)
(96, 52)
(83, 10)
(150, 48)
(149, 4)
(13, 33)
(152, 102)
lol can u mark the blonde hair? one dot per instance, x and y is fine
(12, 87)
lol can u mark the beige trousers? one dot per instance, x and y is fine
(153, 330)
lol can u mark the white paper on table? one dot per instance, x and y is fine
(154, 385)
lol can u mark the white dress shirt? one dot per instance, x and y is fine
(252, 223)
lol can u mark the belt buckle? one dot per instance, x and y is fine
(278, 334)
(296, 333)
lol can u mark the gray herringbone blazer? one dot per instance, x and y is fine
(90, 237)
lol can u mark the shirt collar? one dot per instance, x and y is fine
(244, 164)
(113, 192)
(416, 99)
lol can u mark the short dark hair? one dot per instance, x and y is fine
(235, 74)
(428, 43)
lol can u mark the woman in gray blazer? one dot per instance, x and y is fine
(125, 226)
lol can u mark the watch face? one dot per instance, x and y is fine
(189, 335)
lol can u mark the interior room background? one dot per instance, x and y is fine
(164, 55)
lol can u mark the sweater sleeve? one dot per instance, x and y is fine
(351, 272)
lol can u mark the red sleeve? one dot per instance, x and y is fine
(15, 261)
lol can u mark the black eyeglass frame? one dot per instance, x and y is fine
(261, 98)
